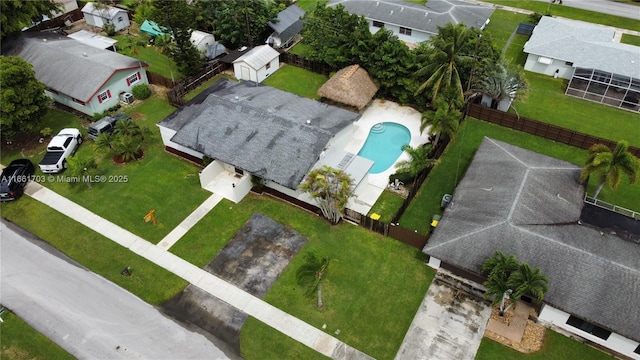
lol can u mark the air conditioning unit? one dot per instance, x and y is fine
(126, 98)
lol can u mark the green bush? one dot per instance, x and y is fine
(141, 91)
(403, 177)
(109, 28)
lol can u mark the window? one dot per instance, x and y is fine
(588, 327)
(104, 96)
(133, 78)
(545, 60)
(267, 66)
(405, 31)
(378, 24)
(119, 18)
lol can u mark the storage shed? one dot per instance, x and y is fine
(257, 64)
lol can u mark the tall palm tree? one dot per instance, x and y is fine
(500, 265)
(445, 60)
(445, 119)
(610, 165)
(82, 168)
(503, 83)
(527, 280)
(311, 273)
(500, 268)
(418, 160)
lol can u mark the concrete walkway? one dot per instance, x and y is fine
(251, 305)
(193, 218)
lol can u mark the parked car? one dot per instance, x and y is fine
(14, 178)
(59, 149)
(104, 125)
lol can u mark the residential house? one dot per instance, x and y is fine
(80, 76)
(351, 86)
(415, 23)
(599, 68)
(250, 130)
(97, 14)
(288, 24)
(529, 205)
(257, 64)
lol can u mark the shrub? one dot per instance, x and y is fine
(46, 132)
(109, 28)
(141, 91)
(403, 177)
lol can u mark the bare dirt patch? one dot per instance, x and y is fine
(252, 260)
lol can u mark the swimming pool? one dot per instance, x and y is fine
(384, 145)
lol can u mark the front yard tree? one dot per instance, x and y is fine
(528, 281)
(16, 14)
(311, 273)
(82, 168)
(178, 17)
(22, 97)
(610, 165)
(331, 189)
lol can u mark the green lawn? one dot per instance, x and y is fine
(372, 290)
(459, 153)
(387, 206)
(158, 63)
(630, 39)
(300, 49)
(19, 341)
(572, 13)
(547, 102)
(503, 23)
(171, 185)
(296, 80)
(556, 347)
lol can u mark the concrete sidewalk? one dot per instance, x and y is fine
(251, 305)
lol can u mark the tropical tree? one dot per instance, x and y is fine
(502, 82)
(311, 273)
(16, 14)
(446, 60)
(331, 189)
(126, 142)
(508, 279)
(610, 165)
(178, 17)
(418, 160)
(445, 119)
(22, 100)
(82, 168)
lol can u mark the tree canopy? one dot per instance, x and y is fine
(22, 99)
(331, 189)
(16, 14)
(611, 165)
(311, 273)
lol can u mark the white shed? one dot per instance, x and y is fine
(201, 40)
(98, 15)
(257, 64)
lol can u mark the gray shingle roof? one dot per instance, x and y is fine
(69, 66)
(585, 45)
(420, 17)
(289, 23)
(531, 210)
(258, 128)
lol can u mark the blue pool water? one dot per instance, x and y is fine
(384, 145)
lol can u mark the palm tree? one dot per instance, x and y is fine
(500, 265)
(500, 268)
(82, 168)
(527, 280)
(500, 292)
(445, 119)
(128, 148)
(610, 165)
(311, 273)
(331, 189)
(418, 160)
(445, 60)
(503, 83)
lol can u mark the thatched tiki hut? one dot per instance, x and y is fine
(350, 86)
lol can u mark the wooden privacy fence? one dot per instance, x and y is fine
(409, 237)
(177, 93)
(58, 22)
(301, 62)
(157, 79)
(538, 128)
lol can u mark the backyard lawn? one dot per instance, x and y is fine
(503, 23)
(21, 342)
(296, 80)
(158, 62)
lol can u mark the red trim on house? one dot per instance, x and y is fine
(109, 78)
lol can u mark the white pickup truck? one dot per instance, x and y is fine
(59, 149)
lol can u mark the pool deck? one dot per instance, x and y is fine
(378, 111)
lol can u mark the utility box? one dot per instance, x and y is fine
(126, 98)
(446, 199)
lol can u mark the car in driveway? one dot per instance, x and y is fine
(105, 125)
(14, 178)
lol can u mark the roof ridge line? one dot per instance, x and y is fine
(508, 153)
(471, 233)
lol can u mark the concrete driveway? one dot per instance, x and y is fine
(85, 314)
(449, 324)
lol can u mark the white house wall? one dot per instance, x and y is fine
(417, 36)
(532, 64)
(615, 342)
(210, 172)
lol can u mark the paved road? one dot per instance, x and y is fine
(604, 6)
(84, 313)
